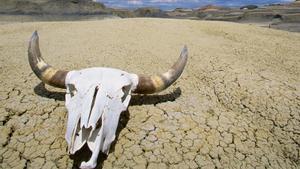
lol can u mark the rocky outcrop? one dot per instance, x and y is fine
(284, 13)
(209, 8)
(51, 7)
(249, 7)
(149, 12)
(273, 14)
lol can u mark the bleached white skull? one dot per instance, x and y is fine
(95, 98)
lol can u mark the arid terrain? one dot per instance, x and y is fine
(237, 104)
(277, 16)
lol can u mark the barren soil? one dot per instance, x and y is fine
(237, 104)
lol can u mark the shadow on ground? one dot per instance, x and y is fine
(155, 99)
(41, 90)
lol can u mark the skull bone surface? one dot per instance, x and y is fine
(95, 98)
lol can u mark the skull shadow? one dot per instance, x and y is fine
(41, 90)
(84, 153)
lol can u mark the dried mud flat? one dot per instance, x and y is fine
(237, 104)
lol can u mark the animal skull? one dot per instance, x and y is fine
(96, 97)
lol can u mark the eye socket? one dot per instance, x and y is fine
(125, 90)
(72, 89)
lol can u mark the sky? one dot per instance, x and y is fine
(172, 4)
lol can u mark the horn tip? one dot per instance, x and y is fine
(185, 47)
(184, 51)
(35, 35)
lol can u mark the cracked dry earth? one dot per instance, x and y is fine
(236, 105)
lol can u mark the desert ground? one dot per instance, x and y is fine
(236, 105)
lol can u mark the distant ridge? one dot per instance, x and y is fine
(51, 7)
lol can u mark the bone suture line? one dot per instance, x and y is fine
(93, 103)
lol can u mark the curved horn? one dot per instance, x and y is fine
(42, 70)
(157, 83)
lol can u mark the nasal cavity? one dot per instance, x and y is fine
(72, 89)
(125, 90)
(93, 101)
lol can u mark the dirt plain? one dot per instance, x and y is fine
(237, 104)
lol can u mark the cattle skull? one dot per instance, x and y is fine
(95, 97)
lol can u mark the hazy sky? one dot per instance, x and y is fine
(171, 4)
